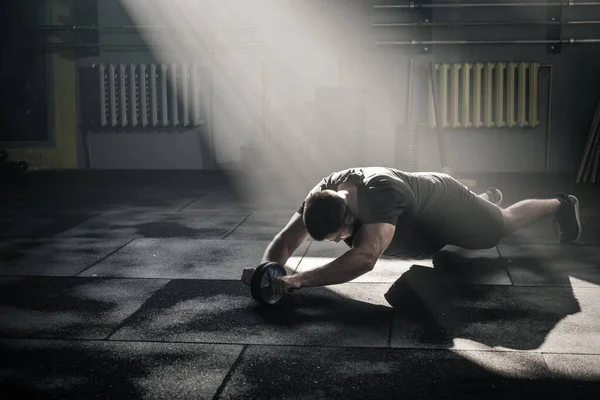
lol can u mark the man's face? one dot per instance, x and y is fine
(344, 232)
(346, 229)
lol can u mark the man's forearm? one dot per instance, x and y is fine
(277, 251)
(348, 266)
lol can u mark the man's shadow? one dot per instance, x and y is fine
(466, 295)
(433, 308)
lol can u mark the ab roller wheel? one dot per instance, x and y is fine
(262, 280)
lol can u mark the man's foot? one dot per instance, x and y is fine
(566, 221)
(494, 195)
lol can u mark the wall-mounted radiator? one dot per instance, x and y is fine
(149, 95)
(487, 95)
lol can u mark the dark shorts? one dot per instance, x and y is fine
(452, 215)
(462, 218)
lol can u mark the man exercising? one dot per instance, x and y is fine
(380, 211)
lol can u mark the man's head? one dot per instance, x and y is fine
(327, 216)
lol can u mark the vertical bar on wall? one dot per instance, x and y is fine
(488, 91)
(411, 144)
(154, 94)
(595, 166)
(500, 67)
(477, 87)
(431, 105)
(466, 95)
(209, 154)
(164, 94)
(196, 87)
(455, 96)
(436, 106)
(265, 99)
(103, 94)
(123, 93)
(112, 84)
(522, 102)
(444, 68)
(143, 94)
(549, 116)
(409, 93)
(185, 94)
(533, 94)
(174, 94)
(510, 95)
(133, 95)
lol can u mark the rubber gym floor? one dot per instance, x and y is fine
(119, 284)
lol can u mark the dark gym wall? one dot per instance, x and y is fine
(575, 91)
(553, 147)
(23, 74)
(49, 143)
(575, 84)
(233, 120)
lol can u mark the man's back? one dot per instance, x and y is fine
(429, 210)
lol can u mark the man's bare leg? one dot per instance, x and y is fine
(528, 212)
(565, 210)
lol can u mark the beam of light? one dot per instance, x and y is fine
(269, 58)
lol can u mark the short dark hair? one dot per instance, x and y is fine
(324, 213)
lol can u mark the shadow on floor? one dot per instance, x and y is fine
(512, 317)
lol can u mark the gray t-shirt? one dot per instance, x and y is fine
(387, 195)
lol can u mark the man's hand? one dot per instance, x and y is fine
(283, 285)
(247, 275)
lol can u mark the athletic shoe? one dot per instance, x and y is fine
(495, 195)
(566, 221)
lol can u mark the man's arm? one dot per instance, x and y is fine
(286, 242)
(291, 237)
(283, 245)
(369, 243)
